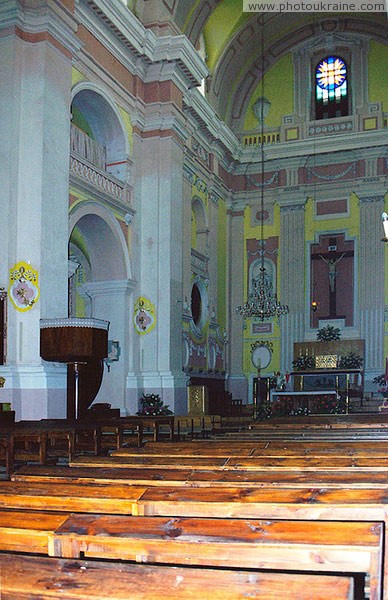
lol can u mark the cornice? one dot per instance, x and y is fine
(199, 110)
(373, 141)
(44, 15)
(150, 57)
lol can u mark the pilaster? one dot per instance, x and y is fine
(292, 287)
(371, 278)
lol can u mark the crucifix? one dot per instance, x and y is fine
(332, 257)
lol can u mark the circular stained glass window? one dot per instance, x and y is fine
(330, 73)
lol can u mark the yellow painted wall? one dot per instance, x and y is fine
(220, 26)
(378, 69)
(278, 89)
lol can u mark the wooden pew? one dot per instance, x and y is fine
(113, 499)
(324, 546)
(31, 577)
(44, 441)
(283, 477)
(28, 531)
(213, 449)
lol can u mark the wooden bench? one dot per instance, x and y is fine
(149, 462)
(44, 441)
(324, 546)
(217, 449)
(40, 577)
(24, 531)
(300, 477)
(70, 497)
(155, 423)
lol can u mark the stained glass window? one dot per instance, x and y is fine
(331, 88)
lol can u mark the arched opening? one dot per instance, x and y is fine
(97, 134)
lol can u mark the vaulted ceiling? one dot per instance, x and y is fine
(232, 43)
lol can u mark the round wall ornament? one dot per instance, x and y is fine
(261, 356)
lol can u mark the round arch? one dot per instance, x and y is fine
(104, 240)
(100, 119)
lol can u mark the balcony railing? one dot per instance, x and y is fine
(86, 147)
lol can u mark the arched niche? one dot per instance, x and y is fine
(98, 245)
(98, 132)
(200, 231)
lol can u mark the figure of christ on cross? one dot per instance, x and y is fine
(332, 258)
(332, 271)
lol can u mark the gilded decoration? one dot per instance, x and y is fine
(144, 317)
(23, 286)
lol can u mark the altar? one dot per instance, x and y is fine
(305, 403)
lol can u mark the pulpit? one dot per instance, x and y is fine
(82, 344)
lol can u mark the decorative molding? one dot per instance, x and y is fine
(49, 16)
(312, 172)
(345, 126)
(300, 206)
(259, 184)
(370, 199)
(163, 58)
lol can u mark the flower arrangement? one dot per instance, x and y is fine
(300, 411)
(328, 334)
(383, 385)
(350, 361)
(152, 405)
(326, 404)
(305, 362)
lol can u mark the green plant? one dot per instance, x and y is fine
(304, 363)
(152, 405)
(351, 361)
(328, 334)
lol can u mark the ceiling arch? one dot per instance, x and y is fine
(232, 41)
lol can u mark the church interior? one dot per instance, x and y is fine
(193, 300)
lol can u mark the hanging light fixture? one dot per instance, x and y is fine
(262, 303)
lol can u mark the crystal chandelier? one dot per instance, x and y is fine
(262, 303)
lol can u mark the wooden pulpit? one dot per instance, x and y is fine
(82, 344)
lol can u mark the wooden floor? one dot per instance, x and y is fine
(289, 515)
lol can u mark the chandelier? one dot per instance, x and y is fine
(262, 303)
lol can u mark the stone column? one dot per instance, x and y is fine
(371, 276)
(292, 280)
(35, 71)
